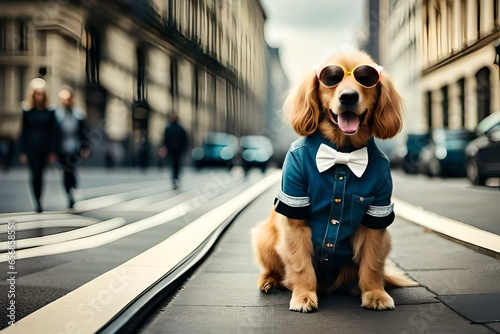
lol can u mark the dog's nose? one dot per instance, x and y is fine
(349, 97)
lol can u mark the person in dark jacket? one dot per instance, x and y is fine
(73, 145)
(175, 144)
(38, 141)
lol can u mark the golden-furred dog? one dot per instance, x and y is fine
(328, 227)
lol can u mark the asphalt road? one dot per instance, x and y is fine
(454, 198)
(143, 199)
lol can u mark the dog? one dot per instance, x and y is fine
(327, 230)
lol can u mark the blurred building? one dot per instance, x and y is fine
(460, 83)
(441, 54)
(368, 38)
(390, 36)
(134, 61)
(276, 127)
(395, 26)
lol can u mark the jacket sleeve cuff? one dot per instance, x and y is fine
(292, 207)
(290, 211)
(377, 223)
(379, 217)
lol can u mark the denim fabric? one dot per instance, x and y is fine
(334, 202)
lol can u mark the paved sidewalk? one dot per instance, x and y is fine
(222, 296)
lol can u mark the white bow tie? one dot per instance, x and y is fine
(356, 161)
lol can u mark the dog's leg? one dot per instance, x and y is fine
(264, 240)
(371, 247)
(296, 250)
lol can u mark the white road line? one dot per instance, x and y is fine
(139, 203)
(154, 207)
(114, 188)
(109, 200)
(83, 232)
(104, 238)
(449, 227)
(90, 307)
(149, 203)
(27, 217)
(157, 206)
(71, 222)
(137, 198)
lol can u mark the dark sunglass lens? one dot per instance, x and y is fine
(366, 75)
(331, 76)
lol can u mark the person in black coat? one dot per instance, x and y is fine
(175, 144)
(38, 141)
(73, 144)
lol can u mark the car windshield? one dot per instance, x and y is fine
(220, 139)
(443, 136)
(255, 142)
(460, 136)
(215, 145)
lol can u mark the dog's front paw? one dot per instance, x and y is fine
(304, 301)
(377, 300)
(268, 282)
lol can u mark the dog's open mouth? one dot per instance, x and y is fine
(348, 122)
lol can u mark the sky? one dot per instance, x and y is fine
(308, 31)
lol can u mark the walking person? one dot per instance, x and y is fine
(175, 144)
(72, 146)
(39, 135)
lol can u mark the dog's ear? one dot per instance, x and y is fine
(387, 118)
(301, 106)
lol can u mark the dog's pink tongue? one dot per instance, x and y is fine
(348, 122)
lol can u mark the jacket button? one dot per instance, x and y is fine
(341, 178)
(334, 221)
(329, 245)
(338, 200)
(361, 199)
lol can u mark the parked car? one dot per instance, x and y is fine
(414, 145)
(392, 150)
(445, 154)
(218, 150)
(256, 151)
(483, 153)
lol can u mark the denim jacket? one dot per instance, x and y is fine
(334, 202)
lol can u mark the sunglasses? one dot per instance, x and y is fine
(367, 76)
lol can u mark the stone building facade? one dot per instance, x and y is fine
(133, 62)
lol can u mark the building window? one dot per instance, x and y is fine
(23, 82)
(444, 106)
(439, 30)
(483, 92)
(496, 24)
(478, 21)
(141, 74)
(22, 43)
(3, 83)
(429, 110)
(3, 35)
(461, 97)
(463, 12)
(174, 88)
(178, 15)
(451, 33)
(170, 13)
(194, 21)
(93, 42)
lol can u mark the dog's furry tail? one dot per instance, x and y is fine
(395, 277)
